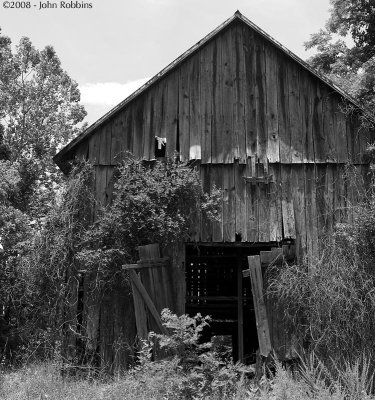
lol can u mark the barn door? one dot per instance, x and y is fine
(152, 289)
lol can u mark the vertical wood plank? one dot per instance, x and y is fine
(318, 133)
(229, 216)
(275, 209)
(263, 207)
(172, 113)
(250, 104)
(184, 112)
(105, 144)
(240, 190)
(298, 195)
(148, 127)
(296, 138)
(127, 133)
(147, 300)
(273, 148)
(306, 107)
(162, 107)
(138, 131)
(283, 110)
(140, 313)
(206, 94)
(194, 86)
(259, 306)
(260, 100)
(252, 216)
(329, 124)
(94, 145)
(289, 223)
(217, 111)
(117, 139)
(239, 132)
(227, 96)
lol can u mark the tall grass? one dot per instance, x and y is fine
(328, 302)
(164, 381)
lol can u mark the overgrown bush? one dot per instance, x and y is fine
(43, 271)
(329, 302)
(198, 371)
(157, 202)
(153, 202)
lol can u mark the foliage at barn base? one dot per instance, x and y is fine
(152, 203)
(157, 202)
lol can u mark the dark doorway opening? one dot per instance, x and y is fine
(215, 287)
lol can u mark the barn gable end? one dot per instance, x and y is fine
(237, 95)
(277, 137)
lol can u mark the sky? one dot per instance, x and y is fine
(113, 47)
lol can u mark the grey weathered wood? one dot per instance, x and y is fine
(255, 270)
(147, 299)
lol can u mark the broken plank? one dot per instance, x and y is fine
(259, 305)
(147, 299)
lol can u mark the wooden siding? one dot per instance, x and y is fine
(237, 97)
(281, 201)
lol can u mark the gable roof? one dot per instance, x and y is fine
(58, 158)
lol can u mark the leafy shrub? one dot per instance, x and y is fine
(204, 373)
(41, 268)
(328, 302)
(155, 202)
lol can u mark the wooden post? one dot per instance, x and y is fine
(240, 309)
(259, 305)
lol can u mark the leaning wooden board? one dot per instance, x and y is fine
(259, 305)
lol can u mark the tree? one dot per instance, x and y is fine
(351, 66)
(39, 113)
(39, 102)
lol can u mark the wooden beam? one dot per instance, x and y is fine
(151, 263)
(259, 305)
(147, 299)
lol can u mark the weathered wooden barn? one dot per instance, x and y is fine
(281, 141)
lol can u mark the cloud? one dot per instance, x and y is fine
(108, 93)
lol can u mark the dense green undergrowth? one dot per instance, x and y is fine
(164, 380)
(191, 370)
